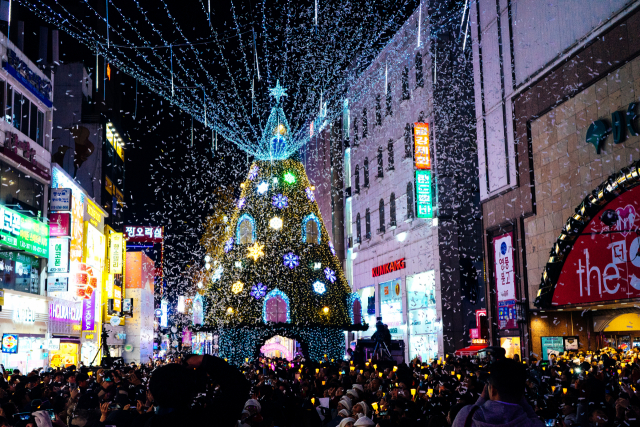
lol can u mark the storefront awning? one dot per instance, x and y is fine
(471, 350)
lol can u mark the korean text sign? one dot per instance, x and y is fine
(142, 234)
(421, 143)
(24, 233)
(504, 275)
(423, 194)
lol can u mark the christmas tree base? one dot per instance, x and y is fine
(317, 343)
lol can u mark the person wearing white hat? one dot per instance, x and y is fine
(253, 406)
(364, 421)
(353, 394)
(359, 388)
(347, 422)
(361, 409)
(345, 403)
(343, 413)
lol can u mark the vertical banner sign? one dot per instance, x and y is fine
(88, 313)
(505, 281)
(58, 255)
(115, 253)
(423, 194)
(421, 144)
(60, 225)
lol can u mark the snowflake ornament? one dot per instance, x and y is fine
(319, 287)
(258, 291)
(310, 194)
(280, 201)
(228, 245)
(263, 187)
(291, 260)
(332, 249)
(217, 274)
(253, 173)
(241, 203)
(330, 274)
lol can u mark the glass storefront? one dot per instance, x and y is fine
(30, 354)
(368, 298)
(391, 307)
(19, 272)
(421, 306)
(66, 356)
(31, 192)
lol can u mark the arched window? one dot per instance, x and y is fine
(246, 230)
(366, 172)
(407, 141)
(367, 224)
(378, 111)
(380, 166)
(365, 124)
(390, 155)
(419, 74)
(275, 307)
(392, 210)
(409, 200)
(389, 111)
(357, 179)
(405, 84)
(358, 229)
(381, 212)
(311, 229)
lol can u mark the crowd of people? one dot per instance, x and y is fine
(582, 390)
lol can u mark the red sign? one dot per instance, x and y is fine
(388, 268)
(142, 234)
(504, 275)
(60, 225)
(604, 267)
(421, 144)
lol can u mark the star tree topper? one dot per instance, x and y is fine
(278, 92)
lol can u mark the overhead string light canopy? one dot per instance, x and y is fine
(317, 49)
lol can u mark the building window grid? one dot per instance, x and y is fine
(21, 113)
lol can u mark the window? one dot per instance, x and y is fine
(378, 111)
(366, 172)
(355, 131)
(419, 74)
(389, 112)
(410, 200)
(358, 229)
(31, 194)
(276, 307)
(8, 115)
(380, 167)
(381, 212)
(311, 229)
(405, 84)
(367, 224)
(408, 153)
(22, 114)
(357, 179)
(365, 124)
(390, 155)
(246, 232)
(356, 308)
(392, 210)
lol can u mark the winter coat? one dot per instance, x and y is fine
(491, 413)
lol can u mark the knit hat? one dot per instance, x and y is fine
(344, 413)
(365, 408)
(353, 393)
(359, 388)
(345, 421)
(254, 403)
(346, 403)
(364, 421)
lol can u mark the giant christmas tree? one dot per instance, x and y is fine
(277, 272)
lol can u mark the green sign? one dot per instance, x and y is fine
(423, 194)
(23, 233)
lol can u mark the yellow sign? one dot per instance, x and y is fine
(117, 298)
(1, 297)
(115, 253)
(93, 214)
(88, 336)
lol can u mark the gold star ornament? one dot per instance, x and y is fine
(255, 251)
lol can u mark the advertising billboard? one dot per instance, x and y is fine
(504, 275)
(421, 145)
(23, 233)
(60, 224)
(58, 255)
(423, 194)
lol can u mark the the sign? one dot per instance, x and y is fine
(570, 343)
(65, 310)
(504, 275)
(24, 314)
(93, 214)
(620, 121)
(90, 336)
(604, 267)
(114, 321)
(60, 225)
(60, 199)
(117, 299)
(24, 233)
(57, 284)
(164, 317)
(58, 255)
(22, 153)
(89, 313)
(1, 297)
(127, 307)
(421, 144)
(51, 344)
(391, 302)
(94, 246)
(388, 268)
(138, 234)
(115, 253)
(10, 343)
(39, 86)
(423, 194)
(551, 345)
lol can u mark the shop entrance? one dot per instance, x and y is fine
(622, 331)
(279, 346)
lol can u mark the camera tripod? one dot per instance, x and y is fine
(103, 346)
(381, 347)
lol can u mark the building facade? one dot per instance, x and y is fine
(548, 92)
(409, 210)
